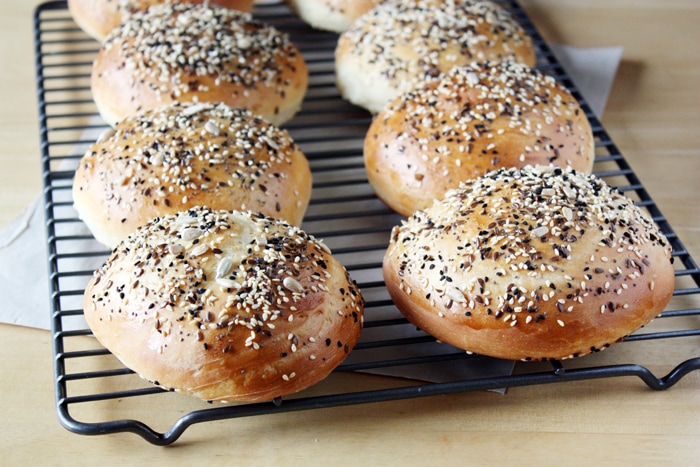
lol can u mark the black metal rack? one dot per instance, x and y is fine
(343, 211)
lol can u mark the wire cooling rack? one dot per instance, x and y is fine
(344, 212)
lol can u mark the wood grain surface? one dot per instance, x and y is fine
(654, 117)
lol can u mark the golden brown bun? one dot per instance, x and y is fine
(98, 17)
(474, 119)
(399, 44)
(225, 306)
(167, 160)
(331, 15)
(530, 264)
(182, 53)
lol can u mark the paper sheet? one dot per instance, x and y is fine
(24, 285)
(592, 71)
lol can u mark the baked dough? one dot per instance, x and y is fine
(472, 120)
(185, 52)
(530, 264)
(399, 44)
(331, 15)
(98, 17)
(166, 160)
(225, 306)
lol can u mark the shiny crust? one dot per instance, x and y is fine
(225, 306)
(331, 15)
(167, 160)
(474, 119)
(379, 58)
(235, 60)
(98, 17)
(530, 264)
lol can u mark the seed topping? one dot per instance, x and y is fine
(512, 225)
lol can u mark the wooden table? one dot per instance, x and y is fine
(654, 117)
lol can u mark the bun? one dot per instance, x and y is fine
(225, 306)
(399, 44)
(530, 264)
(98, 17)
(182, 53)
(167, 160)
(472, 120)
(331, 15)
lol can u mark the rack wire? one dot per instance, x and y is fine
(343, 211)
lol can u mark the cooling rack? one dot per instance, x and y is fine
(344, 212)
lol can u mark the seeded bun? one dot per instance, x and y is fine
(183, 52)
(399, 44)
(98, 17)
(530, 264)
(225, 306)
(472, 120)
(167, 160)
(331, 15)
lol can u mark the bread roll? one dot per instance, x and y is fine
(530, 264)
(225, 306)
(331, 15)
(166, 160)
(474, 119)
(98, 17)
(182, 53)
(401, 43)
